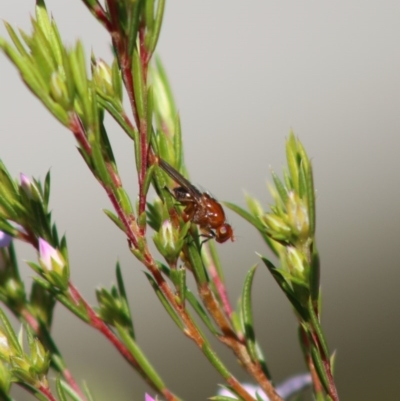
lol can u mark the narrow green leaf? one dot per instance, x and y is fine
(66, 388)
(282, 191)
(319, 366)
(14, 37)
(116, 79)
(318, 329)
(215, 361)
(310, 199)
(216, 260)
(122, 292)
(222, 398)
(123, 199)
(164, 301)
(115, 219)
(245, 214)
(182, 284)
(138, 84)
(291, 156)
(285, 286)
(247, 314)
(201, 312)
(149, 14)
(99, 166)
(60, 390)
(148, 178)
(197, 264)
(87, 392)
(78, 69)
(177, 140)
(11, 336)
(314, 274)
(43, 18)
(157, 26)
(141, 359)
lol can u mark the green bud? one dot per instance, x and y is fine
(21, 369)
(296, 262)
(59, 91)
(298, 217)
(277, 227)
(102, 77)
(39, 357)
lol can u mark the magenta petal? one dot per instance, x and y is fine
(148, 398)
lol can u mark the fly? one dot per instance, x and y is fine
(200, 207)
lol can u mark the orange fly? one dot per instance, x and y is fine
(200, 207)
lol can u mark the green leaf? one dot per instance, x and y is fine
(201, 312)
(141, 359)
(247, 314)
(60, 391)
(319, 366)
(138, 84)
(164, 301)
(245, 214)
(116, 80)
(310, 199)
(66, 388)
(291, 156)
(197, 264)
(124, 298)
(215, 361)
(17, 43)
(280, 187)
(115, 219)
(157, 26)
(124, 201)
(11, 336)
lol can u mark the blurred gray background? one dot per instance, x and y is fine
(244, 74)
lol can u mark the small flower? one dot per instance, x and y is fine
(286, 389)
(148, 398)
(5, 239)
(168, 240)
(29, 187)
(50, 258)
(53, 264)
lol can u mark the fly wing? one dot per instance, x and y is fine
(180, 179)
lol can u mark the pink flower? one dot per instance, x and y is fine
(5, 239)
(285, 389)
(148, 398)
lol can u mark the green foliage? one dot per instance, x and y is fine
(57, 75)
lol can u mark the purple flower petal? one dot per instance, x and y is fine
(148, 398)
(5, 239)
(285, 389)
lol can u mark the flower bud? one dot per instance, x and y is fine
(59, 91)
(53, 264)
(102, 77)
(298, 217)
(277, 227)
(295, 262)
(30, 188)
(168, 241)
(39, 357)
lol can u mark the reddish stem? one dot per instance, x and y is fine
(45, 390)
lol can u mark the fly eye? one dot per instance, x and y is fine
(223, 233)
